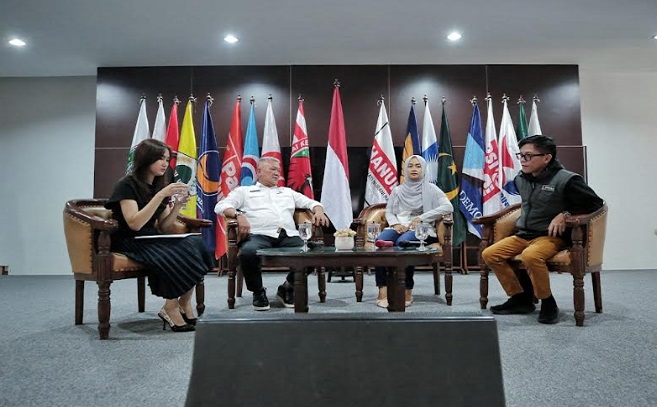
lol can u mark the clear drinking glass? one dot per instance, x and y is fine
(373, 231)
(305, 233)
(421, 233)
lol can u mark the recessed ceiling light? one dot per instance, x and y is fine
(231, 39)
(17, 42)
(654, 37)
(454, 36)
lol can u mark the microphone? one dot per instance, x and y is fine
(383, 243)
(409, 243)
(313, 245)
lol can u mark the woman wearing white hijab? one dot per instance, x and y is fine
(415, 200)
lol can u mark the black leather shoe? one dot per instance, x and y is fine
(260, 301)
(514, 305)
(548, 315)
(190, 321)
(286, 296)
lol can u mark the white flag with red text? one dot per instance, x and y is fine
(491, 195)
(270, 145)
(382, 171)
(509, 162)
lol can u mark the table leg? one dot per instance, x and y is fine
(300, 290)
(321, 283)
(390, 283)
(359, 283)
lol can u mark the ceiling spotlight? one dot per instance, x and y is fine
(654, 37)
(17, 42)
(454, 36)
(231, 39)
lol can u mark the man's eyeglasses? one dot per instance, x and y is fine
(528, 156)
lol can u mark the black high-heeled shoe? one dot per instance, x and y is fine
(190, 321)
(166, 319)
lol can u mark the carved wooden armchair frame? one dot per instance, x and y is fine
(584, 256)
(87, 228)
(235, 275)
(377, 213)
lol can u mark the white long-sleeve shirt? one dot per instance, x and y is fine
(268, 209)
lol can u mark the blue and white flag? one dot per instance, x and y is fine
(429, 145)
(207, 178)
(471, 201)
(251, 151)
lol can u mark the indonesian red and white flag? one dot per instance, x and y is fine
(270, 145)
(491, 195)
(299, 173)
(336, 197)
(509, 162)
(230, 173)
(382, 171)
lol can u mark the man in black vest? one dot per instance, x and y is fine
(549, 193)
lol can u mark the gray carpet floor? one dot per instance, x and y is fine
(48, 361)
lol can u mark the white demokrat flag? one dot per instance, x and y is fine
(429, 145)
(509, 162)
(270, 145)
(382, 171)
(160, 127)
(491, 196)
(534, 127)
(142, 132)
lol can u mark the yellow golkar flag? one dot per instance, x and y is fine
(186, 161)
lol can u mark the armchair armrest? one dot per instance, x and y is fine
(193, 223)
(491, 219)
(75, 209)
(576, 220)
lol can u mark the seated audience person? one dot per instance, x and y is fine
(140, 204)
(416, 200)
(264, 214)
(549, 194)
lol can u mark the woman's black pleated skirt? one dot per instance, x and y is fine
(175, 264)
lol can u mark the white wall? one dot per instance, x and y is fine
(47, 128)
(619, 126)
(47, 137)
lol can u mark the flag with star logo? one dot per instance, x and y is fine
(447, 179)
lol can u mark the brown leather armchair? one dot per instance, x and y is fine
(87, 228)
(377, 213)
(235, 276)
(584, 256)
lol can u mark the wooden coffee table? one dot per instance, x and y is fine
(394, 258)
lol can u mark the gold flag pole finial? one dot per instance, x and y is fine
(336, 83)
(270, 98)
(192, 98)
(300, 98)
(159, 97)
(443, 100)
(521, 100)
(504, 97)
(425, 98)
(488, 97)
(473, 101)
(209, 98)
(380, 100)
(413, 100)
(142, 97)
(176, 100)
(536, 99)
(252, 99)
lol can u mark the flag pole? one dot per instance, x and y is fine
(159, 97)
(252, 99)
(536, 99)
(426, 99)
(521, 100)
(300, 98)
(488, 97)
(336, 83)
(473, 101)
(443, 100)
(505, 98)
(413, 100)
(176, 100)
(270, 98)
(209, 99)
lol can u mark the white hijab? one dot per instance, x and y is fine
(415, 195)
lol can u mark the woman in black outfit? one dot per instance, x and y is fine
(140, 203)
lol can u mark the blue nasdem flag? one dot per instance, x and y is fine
(251, 150)
(412, 140)
(207, 176)
(472, 180)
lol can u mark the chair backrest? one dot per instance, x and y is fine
(595, 238)
(377, 213)
(78, 231)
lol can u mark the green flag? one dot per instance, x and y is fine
(521, 127)
(447, 180)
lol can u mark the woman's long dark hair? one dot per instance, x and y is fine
(146, 153)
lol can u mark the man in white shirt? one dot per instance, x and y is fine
(264, 214)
